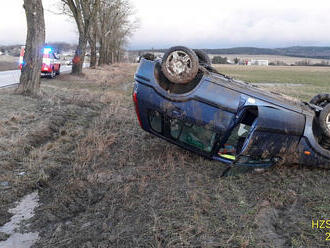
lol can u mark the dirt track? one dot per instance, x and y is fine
(103, 182)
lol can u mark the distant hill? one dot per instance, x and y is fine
(311, 52)
(242, 50)
(295, 51)
(14, 50)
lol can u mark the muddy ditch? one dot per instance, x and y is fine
(29, 138)
(13, 231)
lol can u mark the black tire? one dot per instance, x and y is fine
(59, 71)
(180, 65)
(148, 56)
(203, 58)
(321, 100)
(324, 120)
(52, 74)
(205, 61)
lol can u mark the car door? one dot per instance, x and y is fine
(55, 62)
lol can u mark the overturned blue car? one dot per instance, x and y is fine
(181, 98)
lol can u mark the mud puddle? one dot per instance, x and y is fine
(23, 211)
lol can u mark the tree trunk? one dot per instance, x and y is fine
(84, 13)
(79, 57)
(35, 39)
(93, 55)
(92, 42)
(102, 52)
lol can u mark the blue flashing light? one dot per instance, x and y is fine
(47, 50)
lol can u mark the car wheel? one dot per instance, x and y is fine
(324, 120)
(205, 61)
(52, 74)
(321, 100)
(59, 71)
(203, 58)
(180, 65)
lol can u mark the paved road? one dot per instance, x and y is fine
(8, 78)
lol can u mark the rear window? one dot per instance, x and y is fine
(155, 120)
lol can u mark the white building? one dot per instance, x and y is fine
(262, 62)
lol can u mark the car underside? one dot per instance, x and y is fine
(181, 98)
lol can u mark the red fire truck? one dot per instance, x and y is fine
(50, 63)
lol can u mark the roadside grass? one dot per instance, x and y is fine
(104, 182)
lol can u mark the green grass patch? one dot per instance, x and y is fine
(302, 82)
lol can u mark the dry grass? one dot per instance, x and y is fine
(103, 182)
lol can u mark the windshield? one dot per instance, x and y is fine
(234, 144)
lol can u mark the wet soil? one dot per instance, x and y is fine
(23, 211)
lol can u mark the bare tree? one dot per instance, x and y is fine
(84, 13)
(35, 39)
(114, 27)
(92, 40)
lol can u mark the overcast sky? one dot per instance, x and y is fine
(198, 24)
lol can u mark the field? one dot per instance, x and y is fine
(103, 182)
(302, 82)
(271, 58)
(8, 63)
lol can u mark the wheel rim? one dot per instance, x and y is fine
(327, 121)
(178, 63)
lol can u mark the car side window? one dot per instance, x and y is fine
(193, 135)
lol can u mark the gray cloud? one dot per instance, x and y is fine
(209, 23)
(237, 23)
